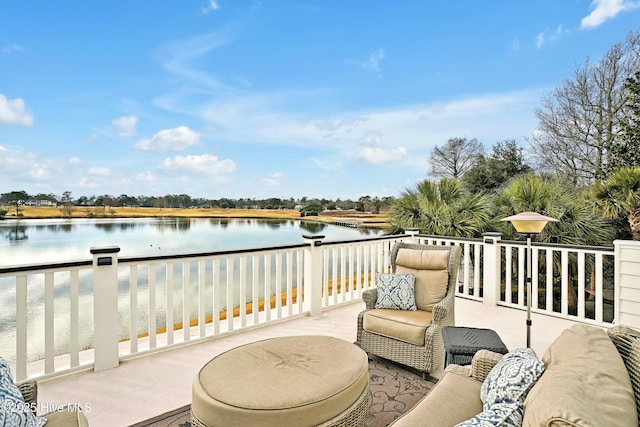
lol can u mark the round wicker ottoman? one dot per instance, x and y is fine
(298, 380)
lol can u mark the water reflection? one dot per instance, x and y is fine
(16, 234)
(312, 227)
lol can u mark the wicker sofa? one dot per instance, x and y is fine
(64, 417)
(414, 338)
(591, 378)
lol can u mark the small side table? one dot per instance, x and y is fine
(462, 343)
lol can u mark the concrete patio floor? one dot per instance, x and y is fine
(149, 385)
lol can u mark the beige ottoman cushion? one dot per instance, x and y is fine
(300, 380)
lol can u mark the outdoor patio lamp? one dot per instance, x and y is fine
(529, 224)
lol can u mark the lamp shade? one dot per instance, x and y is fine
(529, 222)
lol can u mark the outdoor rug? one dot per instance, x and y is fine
(394, 390)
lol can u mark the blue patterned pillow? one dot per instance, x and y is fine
(395, 291)
(512, 378)
(500, 414)
(14, 412)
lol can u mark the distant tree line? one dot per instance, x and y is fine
(309, 206)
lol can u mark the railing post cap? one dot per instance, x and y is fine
(104, 250)
(492, 234)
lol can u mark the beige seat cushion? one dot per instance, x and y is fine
(67, 417)
(430, 269)
(403, 325)
(454, 399)
(585, 384)
(299, 380)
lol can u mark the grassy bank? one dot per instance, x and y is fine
(35, 212)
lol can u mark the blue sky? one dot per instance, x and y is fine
(244, 98)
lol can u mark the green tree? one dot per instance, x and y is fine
(16, 198)
(578, 224)
(442, 208)
(620, 195)
(492, 171)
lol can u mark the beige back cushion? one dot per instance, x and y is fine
(430, 269)
(585, 384)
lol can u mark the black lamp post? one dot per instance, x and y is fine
(529, 224)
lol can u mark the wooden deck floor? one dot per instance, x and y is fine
(146, 386)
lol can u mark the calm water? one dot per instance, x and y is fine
(43, 241)
(51, 240)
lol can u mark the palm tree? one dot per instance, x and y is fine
(620, 195)
(442, 208)
(578, 224)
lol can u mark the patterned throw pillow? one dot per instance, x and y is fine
(15, 412)
(500, 414)
(395, 291)
(512, 378)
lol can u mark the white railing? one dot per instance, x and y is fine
(71, 316)
(58, 318)
(572, 282)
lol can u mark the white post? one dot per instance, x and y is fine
(106, 319)
(313, 275)
(491, 268)
(627, 283)
(412, 233)
(529, 290)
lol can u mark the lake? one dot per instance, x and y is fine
(57, 240)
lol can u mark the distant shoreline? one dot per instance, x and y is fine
(49, 212)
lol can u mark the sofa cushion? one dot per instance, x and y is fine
(454, 399)
(403, 325)
(395, 291)
(512, 378)
(585, 383)
(15, 412)
(66, 417)
(500, 415)
(430, 269)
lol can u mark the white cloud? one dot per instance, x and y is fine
(374, 60)
(327, 165)
(550, 35)
(176, 139)
(515, 44)
(125, 126)
(75, 161)
(377, 155)
(97, 171)
(91, 138)
(12, 48)
(274, 180)
(603, 10)
(211, 6)
(205, 164)
(13, 112)
(145, 176)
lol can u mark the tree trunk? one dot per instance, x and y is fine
(634, 223)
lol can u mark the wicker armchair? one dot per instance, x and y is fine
(429, 357)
